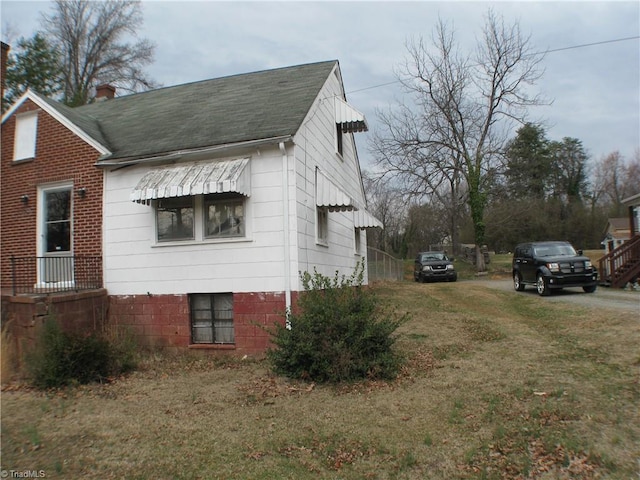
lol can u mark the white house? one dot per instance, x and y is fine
(217, 194)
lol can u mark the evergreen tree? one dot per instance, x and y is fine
(528, 163)
(570, 174)
(34, 65)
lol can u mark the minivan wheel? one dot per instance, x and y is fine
(542, 286)
(517, 282)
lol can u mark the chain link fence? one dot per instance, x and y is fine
(382, 266)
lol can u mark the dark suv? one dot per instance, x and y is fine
(552, 265)
(433, 266)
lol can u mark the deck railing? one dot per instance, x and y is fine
(52, 274)
(622, 264)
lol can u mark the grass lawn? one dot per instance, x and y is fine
(496, 386)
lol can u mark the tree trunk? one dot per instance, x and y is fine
(477, 201)
(480, 265)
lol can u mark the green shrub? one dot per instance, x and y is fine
(61, 358)
(338, 333)
(124, 349)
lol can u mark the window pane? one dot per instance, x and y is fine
(57, 221)
(202, 333)
(59, 237)
(223, 306)
(58, 205)
(224, 218)
(224, 318)
(202, 316)
(323, 224)
(175, 219)
(212, 318)
(224, 332)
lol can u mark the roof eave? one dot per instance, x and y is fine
(104, 161)
(60, 117)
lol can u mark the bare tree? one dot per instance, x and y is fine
(614, 180)
(465, 107)
(91, 38)
(385, 202)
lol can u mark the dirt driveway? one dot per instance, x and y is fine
(603, 297)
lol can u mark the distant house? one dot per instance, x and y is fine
(616, 233)
(204, 201)
(620, 265)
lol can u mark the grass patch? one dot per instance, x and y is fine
(494, 386)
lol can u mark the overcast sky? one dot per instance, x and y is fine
(595, 88)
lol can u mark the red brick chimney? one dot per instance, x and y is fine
(105, 92)
(5, 55)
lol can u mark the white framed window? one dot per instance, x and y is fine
(224, 216)
(174, 219)
(322, 225)
(201, 218)
(24, 144)
(339, 140)
(212, 318)
(357, 242)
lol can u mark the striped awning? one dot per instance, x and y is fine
(350, 119)
(363, 219)
(329, 195)
(194, 179)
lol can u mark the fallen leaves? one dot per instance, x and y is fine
(512, 461)
(267, 387)
(335, 455)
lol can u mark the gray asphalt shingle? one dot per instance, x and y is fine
(259, 105)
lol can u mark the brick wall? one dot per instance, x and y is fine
(60, 156)
(82, 312)
(164, 320)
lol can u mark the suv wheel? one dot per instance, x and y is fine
(517, 282)
(589, 289)
(542, 286)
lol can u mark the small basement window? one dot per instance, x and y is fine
(212, 318)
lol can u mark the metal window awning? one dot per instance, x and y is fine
(194, 179)
(350, 119)
(329, 195)
(363, 219)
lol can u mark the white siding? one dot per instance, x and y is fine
(135, 263)
(315, 147)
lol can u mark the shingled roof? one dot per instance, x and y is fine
(220, 111)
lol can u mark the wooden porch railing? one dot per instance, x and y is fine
(622, 264)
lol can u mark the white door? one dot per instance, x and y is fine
(56, 229)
